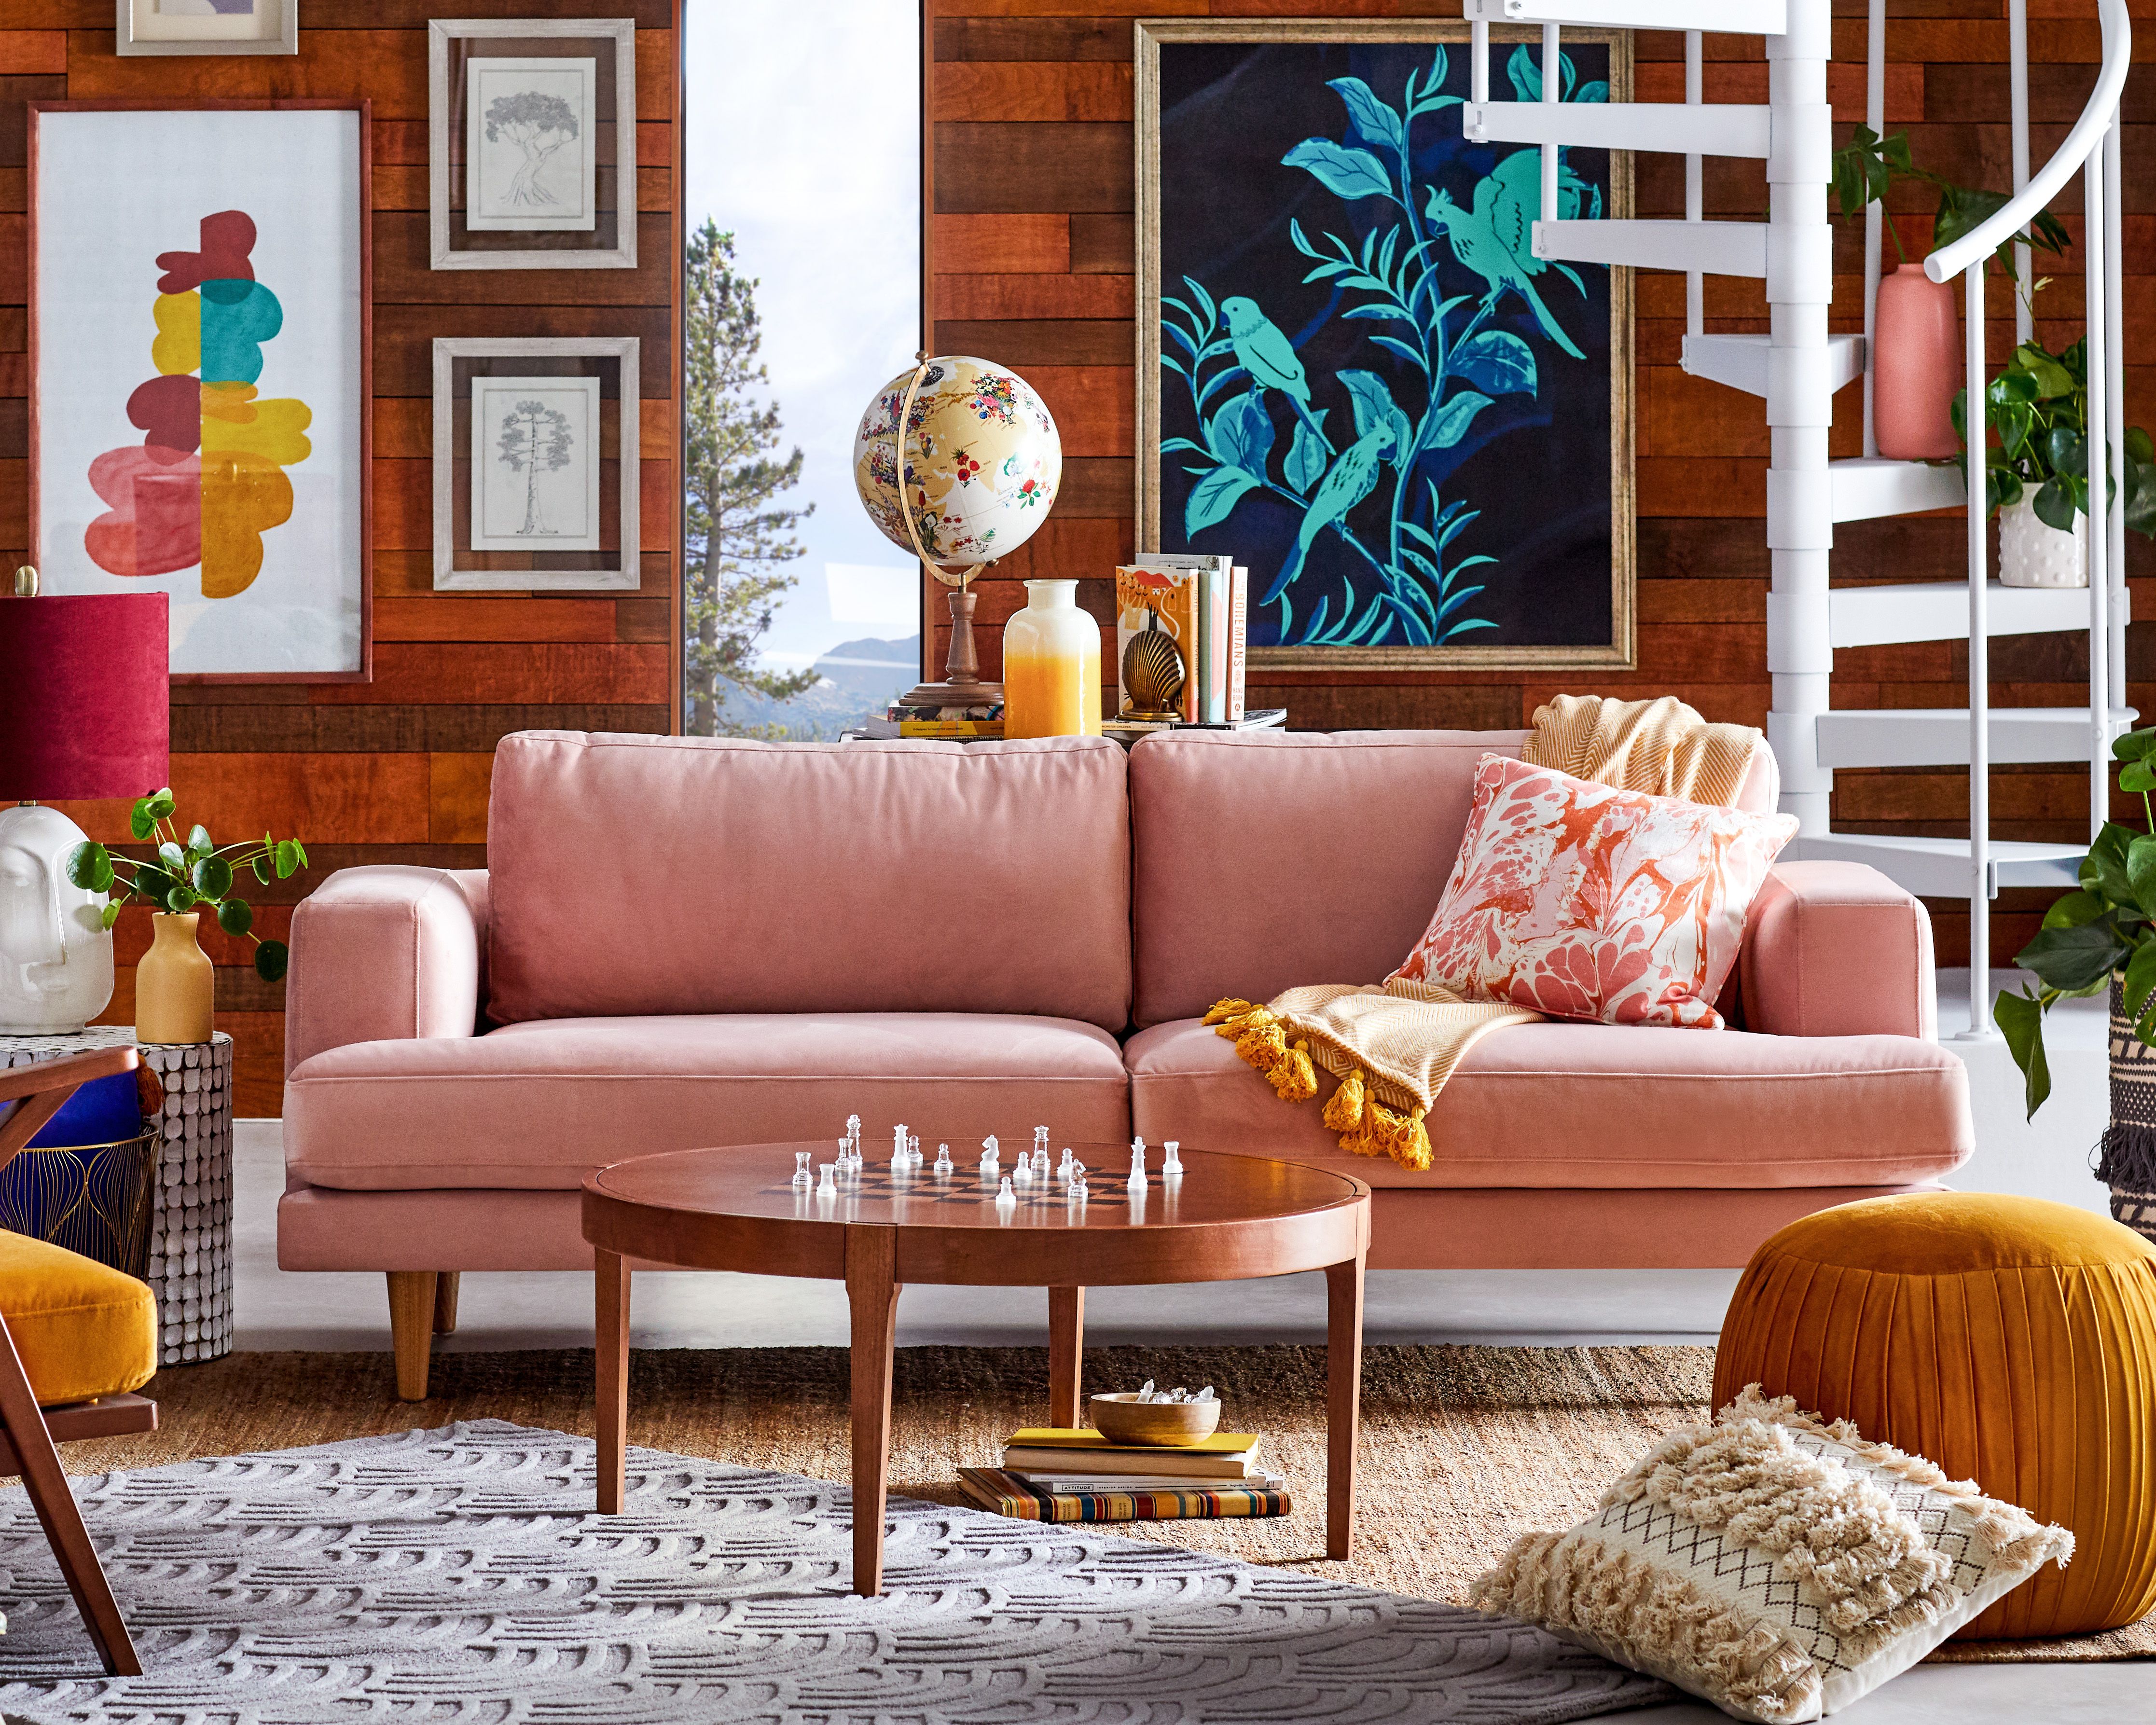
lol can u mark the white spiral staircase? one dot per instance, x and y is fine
(1798, 368)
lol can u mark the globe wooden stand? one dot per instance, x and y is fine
(962, 685)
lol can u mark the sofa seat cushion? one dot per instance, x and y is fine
(542, 1104)
(1575, 1104)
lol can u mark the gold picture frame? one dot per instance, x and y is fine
(1618, 651)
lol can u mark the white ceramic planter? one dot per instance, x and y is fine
(2031, 554)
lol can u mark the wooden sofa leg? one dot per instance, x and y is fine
(445, 1302)
(46, 1485)
(412, 1328)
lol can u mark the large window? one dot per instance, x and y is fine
(803, 282)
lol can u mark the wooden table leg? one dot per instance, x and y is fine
(872, 1293)
(610, 1313)
(1343, 1401)
(1066, 1346)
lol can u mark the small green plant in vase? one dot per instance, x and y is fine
(2039, 407)
(195, 874)
(2103, 937)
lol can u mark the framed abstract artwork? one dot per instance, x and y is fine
(201, 412)
(532, 143)
(1354, 375)
(207, 26)
(535, 472)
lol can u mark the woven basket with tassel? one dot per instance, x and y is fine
(2126, 1156)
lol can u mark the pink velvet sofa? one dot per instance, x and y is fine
(682, 942)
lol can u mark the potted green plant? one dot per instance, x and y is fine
(1915, 355)
(2103, 936)
(174, 996)
(2036, 476)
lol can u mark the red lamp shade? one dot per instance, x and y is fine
(85, 695)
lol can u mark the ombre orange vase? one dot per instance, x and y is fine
(1051, 665)
(1915, 367)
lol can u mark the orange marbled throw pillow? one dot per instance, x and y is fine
(1585, 901)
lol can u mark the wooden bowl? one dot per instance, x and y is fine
(1123, 1419)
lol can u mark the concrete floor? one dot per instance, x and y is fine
(2048, 1159)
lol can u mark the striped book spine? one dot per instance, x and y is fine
(1007, 1494)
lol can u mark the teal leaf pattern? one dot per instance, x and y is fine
(1420, 284)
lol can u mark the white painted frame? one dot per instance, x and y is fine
(440, 32)
(627, 575)
(135, 22)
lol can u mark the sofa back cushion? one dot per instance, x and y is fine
(1265, 859)
(633, 876)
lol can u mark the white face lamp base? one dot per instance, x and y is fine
(55, 954)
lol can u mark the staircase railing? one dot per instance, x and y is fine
(2091, 146)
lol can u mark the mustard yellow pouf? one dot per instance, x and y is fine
(2007, 1340)
(81, 1329)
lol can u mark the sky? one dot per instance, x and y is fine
(803, 119)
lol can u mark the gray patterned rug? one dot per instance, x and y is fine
(460, 1575)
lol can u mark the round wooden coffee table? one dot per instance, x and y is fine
(1224, 1218)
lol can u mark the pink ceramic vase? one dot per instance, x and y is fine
(1916, 367)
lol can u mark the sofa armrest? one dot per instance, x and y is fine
(1837, 949)
(386, 951)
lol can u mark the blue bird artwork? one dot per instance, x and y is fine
(1421, 315)
(1269, 358)
(1347, 483)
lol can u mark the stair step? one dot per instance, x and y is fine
(1869, 486)
(1938, 737)
(1938, 611)
(1678, 128)
(1716, 248)
(1743, 17)
(1939, 868)
(1741, 361)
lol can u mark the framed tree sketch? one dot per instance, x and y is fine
(536, 463)
(207, 26)
(532, 143)
(1354, 375)
(201, 410)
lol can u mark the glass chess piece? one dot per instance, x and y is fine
(1041, 1140)
(1021, 1173)
(1063, 1167)
(853, 1128)
(802, 1176)
(1171, 1165)
(828, 1187)
(1040, 1164)
(1138, 1162)
(1075, 1193)
(944, 1165)
(1006, 1199)
(988, 1162)
(913, 1150)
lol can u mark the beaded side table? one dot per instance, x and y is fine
(191, 1207)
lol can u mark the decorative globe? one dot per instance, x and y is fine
(982, 462)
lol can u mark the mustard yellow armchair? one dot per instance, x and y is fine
(76, 1339)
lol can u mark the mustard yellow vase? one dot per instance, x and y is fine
(2006, 1340)
(1051, 665)
(175, 985)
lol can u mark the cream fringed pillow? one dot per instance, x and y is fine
(1775, 1566)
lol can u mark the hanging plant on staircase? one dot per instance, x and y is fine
(2103, 938)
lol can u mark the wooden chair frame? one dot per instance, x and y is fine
(27, 1432)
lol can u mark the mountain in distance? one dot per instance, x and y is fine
(855, 679)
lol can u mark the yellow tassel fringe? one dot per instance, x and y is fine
(1365, 1125)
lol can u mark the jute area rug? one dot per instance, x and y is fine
(1463, 1448)
(463, 1575)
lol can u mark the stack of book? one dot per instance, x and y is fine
(1201, 604)
(1058, 1474)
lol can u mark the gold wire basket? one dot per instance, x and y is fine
(91, 1198)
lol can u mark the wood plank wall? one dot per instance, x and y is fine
(395, 770)
(1032, 237)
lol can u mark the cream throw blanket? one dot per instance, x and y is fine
(1394, 1046)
